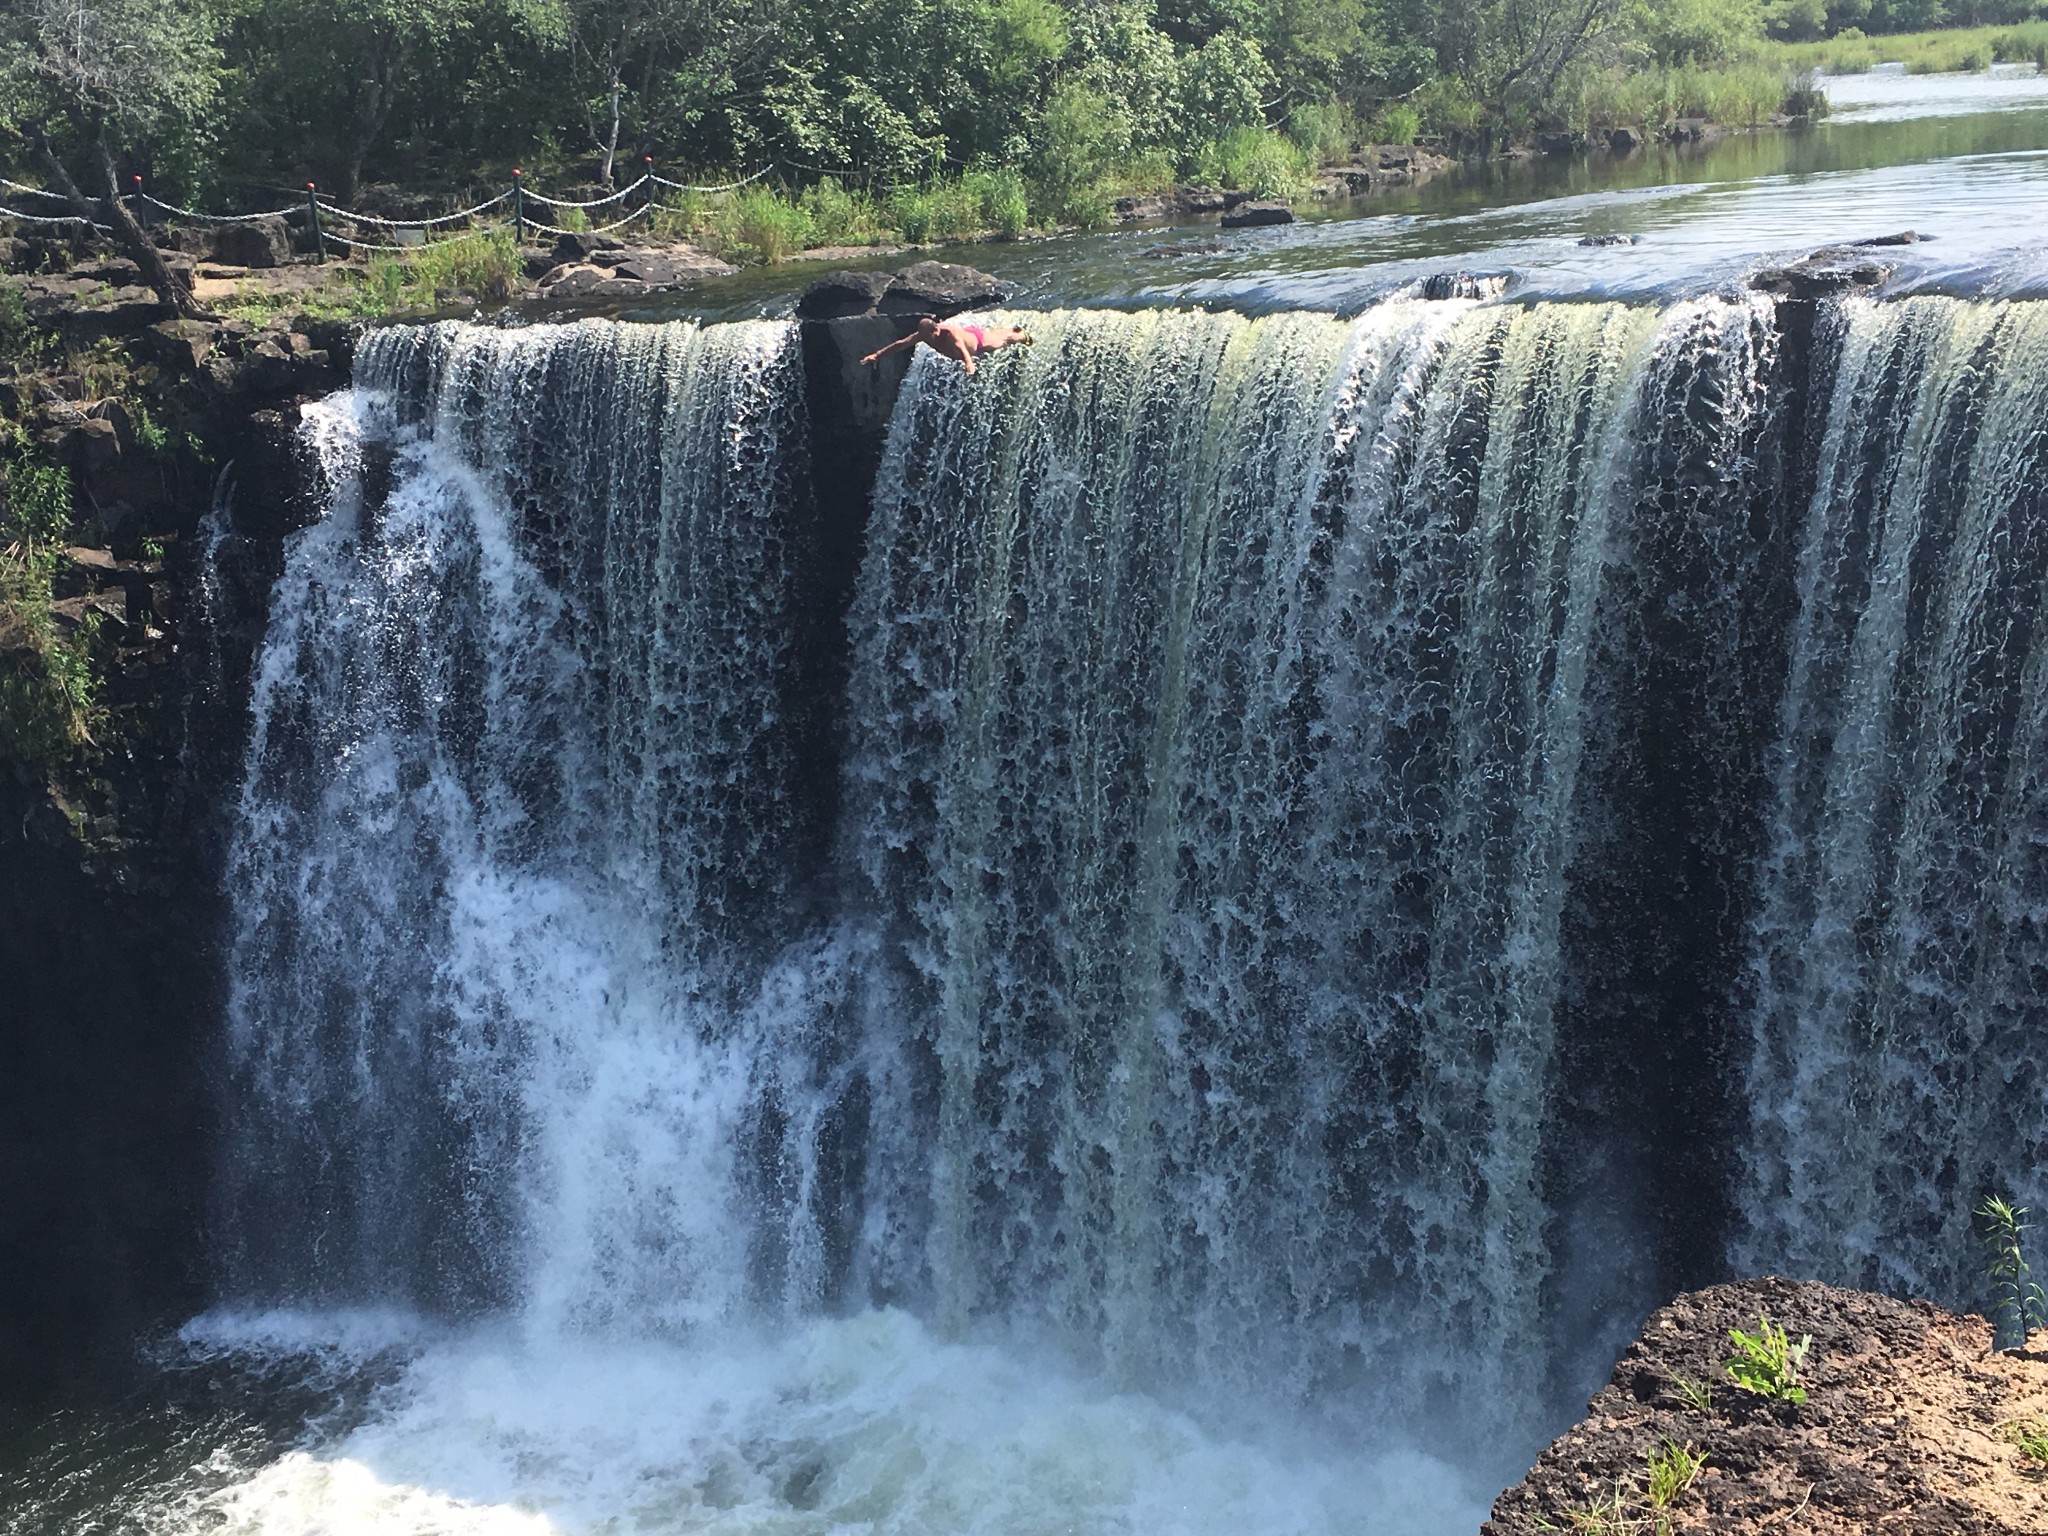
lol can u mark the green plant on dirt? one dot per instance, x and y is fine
(2031, 1436)
(1671, 1471)
(2018, 1305)
(1696, 1395)
(1768, 1362)
(1612, 1514)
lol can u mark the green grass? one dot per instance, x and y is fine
(1734, 96)
(2031, 1436)
(767, 223)
(1255, 160)
(486, 267)
(1950, 50)
(1671, 1471)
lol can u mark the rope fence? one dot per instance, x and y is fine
(321, 213)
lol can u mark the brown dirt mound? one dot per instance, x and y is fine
(1908, 1427)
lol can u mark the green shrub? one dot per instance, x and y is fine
(1398, 124)
(759, 224)
(1324, 130)
(1255, 160)
(840, 216)
(49, 681)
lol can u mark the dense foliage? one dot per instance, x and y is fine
(241, 100)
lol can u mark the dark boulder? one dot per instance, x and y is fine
(1253, 215)
(1826, 272)
(572, 248)
(1624, 141)
(253, 243)
(939, 288)
(1558, 143)
(839, 294)
(1903, 237)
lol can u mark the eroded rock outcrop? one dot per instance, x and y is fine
(1908, 1426)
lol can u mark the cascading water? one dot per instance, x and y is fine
(1330, 829)
(1897, 1074)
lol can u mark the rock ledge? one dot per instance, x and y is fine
(1905, 1429)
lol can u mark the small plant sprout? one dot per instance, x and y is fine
(1697, 1395)
(2018, 1306)
(1768, 1363)
(2031, 1436)
(1672, 1469)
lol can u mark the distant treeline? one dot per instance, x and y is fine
(238, 99)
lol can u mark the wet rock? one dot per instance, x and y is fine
(939, 288)
(1462, 285)
(1694, 130)
(575, 247)
(254, 243)
(1903, 237)
(1832, 270)
(840, 294)
(1138, 209)
(1254, 215)
(1624, 141)
(668, 268)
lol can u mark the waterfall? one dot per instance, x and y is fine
(1897, 1070)
(517, 810)
(1329, 863)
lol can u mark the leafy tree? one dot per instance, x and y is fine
(85, 77)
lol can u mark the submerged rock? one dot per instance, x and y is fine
(1906, 1426)
(1832, 270)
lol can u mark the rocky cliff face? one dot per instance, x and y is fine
(109, 907)
(1911, 1423)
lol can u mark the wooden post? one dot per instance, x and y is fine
(518, 206)
(313, 213)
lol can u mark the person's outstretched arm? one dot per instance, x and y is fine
(880, 352)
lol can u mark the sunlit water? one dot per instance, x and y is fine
(1962, 159)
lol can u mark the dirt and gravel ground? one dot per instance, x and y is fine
(1909, 1427)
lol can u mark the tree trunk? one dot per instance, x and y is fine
(611, 143)
(373, 108)
(133, 240)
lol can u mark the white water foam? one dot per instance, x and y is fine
(866, 1424)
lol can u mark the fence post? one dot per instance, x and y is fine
(313, 214)
(518, 206)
